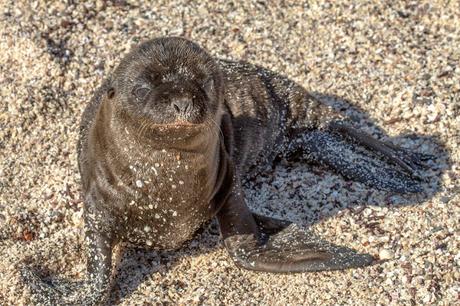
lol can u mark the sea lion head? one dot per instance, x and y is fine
(168, 84)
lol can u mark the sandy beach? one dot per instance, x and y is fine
(393, 66)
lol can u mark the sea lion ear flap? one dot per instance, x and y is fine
(225, 182)
(208, 85)
(227, 133)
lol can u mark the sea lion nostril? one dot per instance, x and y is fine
(177, 108)
(182, 106)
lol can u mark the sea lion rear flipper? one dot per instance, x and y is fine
(289, 250)
(352, 162)
(408, 161)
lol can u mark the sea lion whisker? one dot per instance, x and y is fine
(219, 130)
(214, 129)
(142, 128)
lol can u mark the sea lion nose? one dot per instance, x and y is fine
(182, 106)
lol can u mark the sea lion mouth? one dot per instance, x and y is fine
(178, 125)
(179, 129)
(185, 123)
(179, 134)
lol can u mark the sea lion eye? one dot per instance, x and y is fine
(141, 92)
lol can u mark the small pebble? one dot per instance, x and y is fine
(386, 254)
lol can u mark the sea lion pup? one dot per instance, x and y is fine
(166, 143)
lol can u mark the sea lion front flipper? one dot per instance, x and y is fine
(295, 249)
(351, 161)
(290, 250)
(275, 246)
(266, 244)
(91, 291)
(100, 242)
(48, 292)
